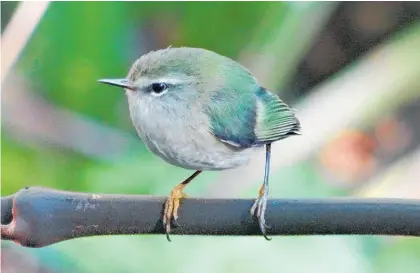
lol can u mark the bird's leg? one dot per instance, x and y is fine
(258, 209)
(172, 203)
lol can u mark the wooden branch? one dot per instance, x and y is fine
(36, 217)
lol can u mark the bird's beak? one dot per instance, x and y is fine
(124, 83)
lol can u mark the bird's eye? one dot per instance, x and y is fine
(159, 87)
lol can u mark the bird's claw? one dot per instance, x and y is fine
(170, 214)
(258, 211)
(166, 220)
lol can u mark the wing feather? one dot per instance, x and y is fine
(251, 118)
(275, 120)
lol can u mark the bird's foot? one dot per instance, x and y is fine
(258, 211)
(170, 214)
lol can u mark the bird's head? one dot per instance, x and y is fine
(179, 77)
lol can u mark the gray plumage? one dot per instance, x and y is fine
(177, 125)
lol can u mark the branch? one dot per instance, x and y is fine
(37, 217)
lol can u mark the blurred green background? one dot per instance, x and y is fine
(350, 69)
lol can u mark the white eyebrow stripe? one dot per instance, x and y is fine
(171, 81)
(167, 80)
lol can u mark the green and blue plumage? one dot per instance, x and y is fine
(258, 119)
(241, 112)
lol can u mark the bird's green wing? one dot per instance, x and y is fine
(250, 118)
(275, 120)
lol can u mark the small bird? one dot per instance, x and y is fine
(203, 111)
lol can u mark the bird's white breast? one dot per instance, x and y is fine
(184, 140)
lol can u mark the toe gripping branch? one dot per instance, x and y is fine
(36, 217)
(172, 204)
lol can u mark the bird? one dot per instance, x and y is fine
(199, 110)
